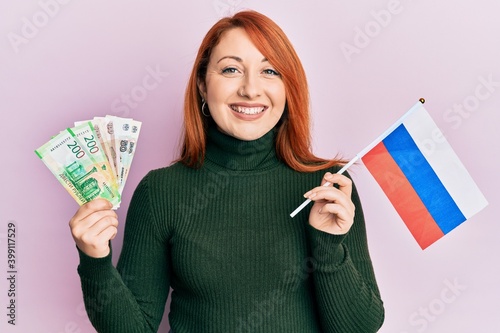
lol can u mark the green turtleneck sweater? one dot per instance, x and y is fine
(222, 238)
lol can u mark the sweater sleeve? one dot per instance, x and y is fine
(346, 291)
(132, 296)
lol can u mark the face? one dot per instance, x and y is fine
(243, 91)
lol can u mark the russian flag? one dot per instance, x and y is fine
(423, 177)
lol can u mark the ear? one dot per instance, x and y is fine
(202, 88)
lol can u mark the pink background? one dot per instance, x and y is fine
(83, 57)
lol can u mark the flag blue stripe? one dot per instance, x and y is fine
(424, 180)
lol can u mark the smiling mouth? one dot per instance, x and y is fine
(248, 110)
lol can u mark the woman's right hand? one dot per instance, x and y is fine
(93, 226)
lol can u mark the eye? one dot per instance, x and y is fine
(270, 72)
(230, 71)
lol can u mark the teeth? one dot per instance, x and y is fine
(246, 110)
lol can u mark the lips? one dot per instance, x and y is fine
(248, 110)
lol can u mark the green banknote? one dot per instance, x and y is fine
(101, 132)
(82, 173)
(88, 138)
(93, 159)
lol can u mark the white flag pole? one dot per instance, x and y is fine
(366, 149)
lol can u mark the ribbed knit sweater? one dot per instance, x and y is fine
(222, 238)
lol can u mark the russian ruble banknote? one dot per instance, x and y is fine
(126, 133)
(93, 158)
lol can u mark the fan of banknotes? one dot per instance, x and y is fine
(93, 159)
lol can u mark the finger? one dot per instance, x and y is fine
(97, 247)
(324, 182)
(97, 221)
(108, 233)
(89, 208)
(341, 212)
(91, 219)
(331, 194)
(326, 179)
(102, 224)
(114, 235)
(100, 232)
(343, 182)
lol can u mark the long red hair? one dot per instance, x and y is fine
(293, 140)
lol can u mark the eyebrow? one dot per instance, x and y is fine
(238, 59)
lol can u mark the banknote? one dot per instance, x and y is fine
(89, 141)
(98, 123)
(80, 174)
(126, 133)
(130, 150)
(106, 129)
(93, 158)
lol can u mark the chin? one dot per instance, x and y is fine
(247, 131)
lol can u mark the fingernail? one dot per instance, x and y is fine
(309, 195)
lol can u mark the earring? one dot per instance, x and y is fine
(203, 104)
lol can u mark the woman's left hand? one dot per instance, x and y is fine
(333, 209)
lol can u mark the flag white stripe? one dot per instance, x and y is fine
(448, 167)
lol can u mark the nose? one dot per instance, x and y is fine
(251, 86)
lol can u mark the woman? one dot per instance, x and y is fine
(215, 226)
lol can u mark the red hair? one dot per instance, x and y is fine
(293, 140)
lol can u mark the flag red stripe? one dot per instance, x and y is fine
(402, 195)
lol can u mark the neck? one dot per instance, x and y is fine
(225, 152)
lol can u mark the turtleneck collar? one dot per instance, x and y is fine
(225, 152)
